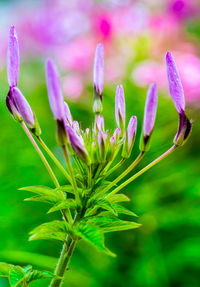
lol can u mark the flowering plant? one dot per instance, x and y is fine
(90, 204)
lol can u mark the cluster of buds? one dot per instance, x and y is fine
(96, 146)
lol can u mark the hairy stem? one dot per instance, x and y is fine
(143, 170)
(71, 173)
(66, 254)
(65, 173)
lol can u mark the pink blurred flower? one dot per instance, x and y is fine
(188, 65)
(72, 86)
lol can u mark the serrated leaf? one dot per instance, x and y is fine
(117, 198)
(53, 230)
(5, 269)
(38, 275)
(124, 210)
(68, 203)
(46, 199)
(16, 276)
(104, 204)
(109, 224)
(44, 194)
(93, 235)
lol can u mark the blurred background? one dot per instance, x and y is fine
(165, 251)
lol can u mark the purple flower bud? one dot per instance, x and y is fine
(98, 78)
(184, 130)
(23, 107)
(150, 109)
(99, 123)
(77, 144)
(130, 137)
(175, 86)
(68, 113)
(75, 126)
(54, 90)
(13, 58)
(120, 107)
(117, 134)
(101, 146)
(149, 117)
(12, 108)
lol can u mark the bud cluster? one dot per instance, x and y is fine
(96, 146)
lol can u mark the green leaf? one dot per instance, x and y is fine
(53, 230)
(68, 203)
(5, 269)
(117, 198)
(93, 235)
(66, 188)
(104, 204)
(38, 275)
(109, 224)
(124, 210)
(44, 194)
(16, 276)
(27, 269)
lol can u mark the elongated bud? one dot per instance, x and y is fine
(130, 137)
(68, 113)
(120, 108)
(149, 117)
(77, 145)
(111, 149)
(54, 91)
(117, 134)
(99, 123)
(177, 94)
(12, 108)
(13, 58)
(75, 126)
(101, 146)
(175, 85)
(98, 78)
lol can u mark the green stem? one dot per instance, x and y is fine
(71, 173)
(143, 170)
(50, 171)
(115, 167)
(136, 161)
(66, 254)
(54, 159)
(68, 216)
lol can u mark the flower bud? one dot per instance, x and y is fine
(12, 108)
(117, 134)
(99, 123)
(98, 78)
(13, 58)
(77, 145)
(68, 113)
(101, 147)
(54, 91)
(177, 94)
(111, 149)
(75, 126)
(149, 117)
(120, 108)
(130, 137)
(184, 130)
(175, 85)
